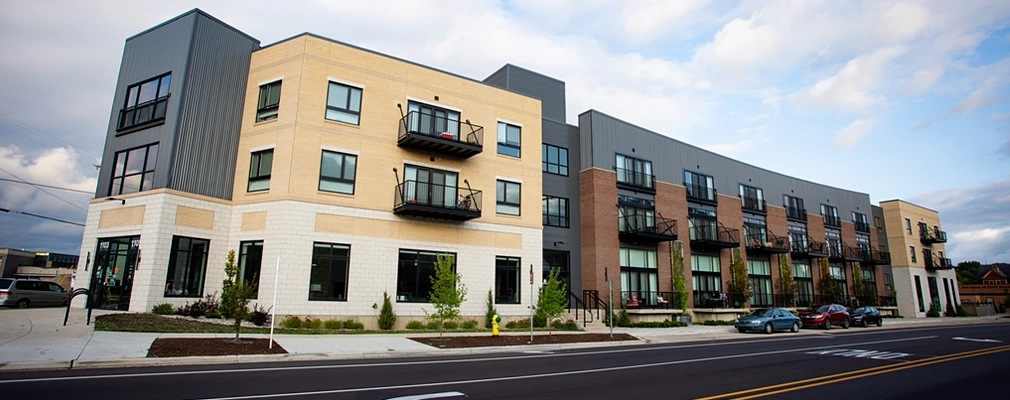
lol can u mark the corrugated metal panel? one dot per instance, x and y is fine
(550, 91)
(499, 78)
(670, 158)
(567, 136)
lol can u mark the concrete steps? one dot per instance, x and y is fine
(594, 324)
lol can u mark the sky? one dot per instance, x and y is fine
(897, 99)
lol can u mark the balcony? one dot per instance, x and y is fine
(702, 194)
(832, 220)
(422, 199)
(769, 244)
(796, 214)
(142, 115)
(638, 229)
(714, 236)
(753, 204)
(930, 236)
(862, 226)
(808, 249)
(437, 134)
(635, 180)
(936, 263)
(842, 253)
(872, 256)
(648, 300)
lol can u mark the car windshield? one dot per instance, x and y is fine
(763, 312)
(859, 310)
(6, 284)
(818, 308)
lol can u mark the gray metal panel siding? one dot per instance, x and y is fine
(203, 159)
(499, 78)
(670, 158)
(567, 136)
(146, 56)
(550, 91)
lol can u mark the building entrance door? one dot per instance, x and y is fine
(112, 278)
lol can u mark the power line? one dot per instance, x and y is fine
(46, 186)
(41, 216)
(43, 190)
(41, 133)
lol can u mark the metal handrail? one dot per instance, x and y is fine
(637, 178)
(700, 192)
(419, 123)
(438, 196)
(587, 316)
(592, 297)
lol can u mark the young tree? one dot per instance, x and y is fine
(447, 291)
(858, 285)
(739, 286)
(553, 299)
(235, 294)
(679, 285)
(387, 318)
(786, 285)
(828, 285)
(489, 315)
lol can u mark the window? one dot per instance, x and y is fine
(430, 187)
(134, 170)
(635, 219)
(752, 198)
(804, 284)
(706, 278)
(506, 280)
(507, 201)
(702, 224)
(918, 292)
(343, 103)
(833, 239)
(559, 260)
(555, 211)
(639, 275)
(859, 219)
(759, 275)
(250, 258)
(908, 226)
(634, 172)
(508, 139)
(830, 214)
(699, 187)
(433, 121)
(554, 159)
(911, 251)
(794, 207)
(797, 237)
(336, 172)
(187, 266)
(754, 230)
(414, 272)
(838, 274)
(269, 101)
(146, 103)
(259, 170)
(328, 275)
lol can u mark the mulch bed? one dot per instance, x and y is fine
(456, 342)
(185, 347)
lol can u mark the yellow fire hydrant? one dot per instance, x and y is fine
(494, 325)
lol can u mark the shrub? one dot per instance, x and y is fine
(469, 324)
(539, 320)
(622, 318)
(961, 312)
(949, 312)
(569, 325)
(258, 316)
(491, 312)
(310, 323)
(387, 318)
(934, 311)
(415, 325)
(717, 323)
(525, 322)
(431, 325)
(213, 314)
(656, 324)
(332, 324)
(450, 325)
(353, 325)
(291, 322)
(163, 309)
(200, 307)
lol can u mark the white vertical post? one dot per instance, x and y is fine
(531, 303)
(273, 308)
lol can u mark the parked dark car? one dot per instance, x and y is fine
(866, 315)
(22, 293)
(767, 320)
(825, 316)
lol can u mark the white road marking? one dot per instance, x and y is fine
(977, 340)
(857, 353)
(429, 396)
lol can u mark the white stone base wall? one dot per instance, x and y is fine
(908, 297)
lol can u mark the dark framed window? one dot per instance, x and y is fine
(414, 271)
(187, 267)
(830, 214)
(506, 280)
(146, 103)
(706, 280)
(759, 275)
(507, 199)
(430, 187)
(508, 139)
(862, 224)
(328, 277)
(837, 272)
(555, 211)
(911, 252)
(269, 102)
(639, 275)
(554, 159)
(908, 226)
(559, 260)
(250, 259)
(336, 172)
(634, 172)
(752, 198)
(918, 292)
(134, 170)
(343, 103)
(804, 284)
(260, 164)
(699, 187)
(433, 121)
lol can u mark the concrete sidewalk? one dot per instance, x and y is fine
(37, 339)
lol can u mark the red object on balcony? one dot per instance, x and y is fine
(447, 135)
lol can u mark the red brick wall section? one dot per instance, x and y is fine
(730, 215)
(776, 223)
(815, 230)
(600, 243)
(849, 238)
(671, 202)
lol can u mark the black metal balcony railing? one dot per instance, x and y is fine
(638, 228)
(702, 193)
(143, 114)
(797, 214)
(887, 301)
(715, 236)
(930, 236)
(636, 180)
(843, 252)
(936, 263)
(862, 226)
(809, 248)
(645, 299)
(424, 199)
(752, 204)
(770, 243)
(832, 220)
(439, 134)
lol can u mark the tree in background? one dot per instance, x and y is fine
(447, 291)
(786, 285)
(739, 285)
(679, 285)
(235, 295)
(857, 280)
(387, 318)
(967, 272)
(553, 299)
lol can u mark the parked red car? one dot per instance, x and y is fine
(825, 316)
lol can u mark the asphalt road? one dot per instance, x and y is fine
(958, 361)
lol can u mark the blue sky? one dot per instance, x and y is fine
(896, 99)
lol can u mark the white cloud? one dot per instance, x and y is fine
(854, 86)
(644, 20)
(847, 137)
(983, 96)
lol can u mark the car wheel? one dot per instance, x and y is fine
(795, 328)
(827, 323)
(880, 322)
(845, 324)
(768, 328)
(23, 303)
(742, 330)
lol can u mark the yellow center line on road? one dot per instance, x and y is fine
(848, 375)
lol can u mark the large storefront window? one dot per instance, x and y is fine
(413, 277)
(706, 279)
(187, 267)
(328, 279)
(559, 260)
(506, 280)
(639, 280)
(112, 279)
(804, 284)
(250, 259)
(760, 275)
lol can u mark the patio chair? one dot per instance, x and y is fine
(632, 302)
